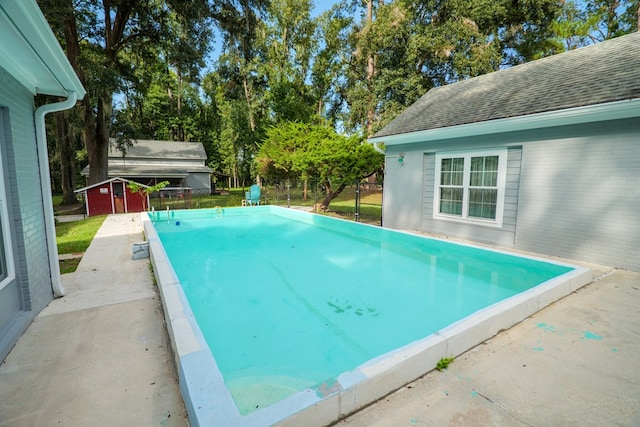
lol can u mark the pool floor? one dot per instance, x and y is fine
(308, 322)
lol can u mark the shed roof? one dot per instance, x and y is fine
(147, 171)
(169, 150)
(30, 52)
(597, 74)
(116, 179)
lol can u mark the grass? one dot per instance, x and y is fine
(76, 236)
(68, 265)
(444, 363)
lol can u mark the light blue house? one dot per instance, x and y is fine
(543, 157)
(32, 63)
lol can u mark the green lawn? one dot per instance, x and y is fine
(76, 236)
(68, 265)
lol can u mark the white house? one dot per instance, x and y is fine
(150, 162)
(543, 157)
(32, 63)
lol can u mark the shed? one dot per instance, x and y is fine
(542, 157)
(113, 196)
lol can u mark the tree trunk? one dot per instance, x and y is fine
(304, 190)
(247, 96)
(67, 158)
(96, 134)
(371, 71)
(330, 194)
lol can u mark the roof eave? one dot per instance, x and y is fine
(33, 53)
(570, 116)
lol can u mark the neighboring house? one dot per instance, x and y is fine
(150, 162)
(31, 63)
(113, 196)
(543, 157)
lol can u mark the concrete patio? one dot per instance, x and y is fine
(100, 356)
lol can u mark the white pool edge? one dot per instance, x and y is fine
(209, 403)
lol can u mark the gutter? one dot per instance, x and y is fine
(45, 183)
(377, 148)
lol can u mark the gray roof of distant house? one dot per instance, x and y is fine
(597, 74)
(143, 148)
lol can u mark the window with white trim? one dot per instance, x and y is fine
(7, 274)
(470, 186)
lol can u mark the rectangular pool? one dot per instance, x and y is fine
(283, 317)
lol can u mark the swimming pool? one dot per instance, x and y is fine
(279, 316)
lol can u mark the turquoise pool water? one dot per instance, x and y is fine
(289, 301)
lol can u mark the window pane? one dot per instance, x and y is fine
(491, 163)
(452, 171)
(451, 201)
(484, 171)
(482, 203)
(476, 179)
(3, 265)
(490, 179)
(477, 164)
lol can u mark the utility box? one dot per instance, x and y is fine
(140, 250)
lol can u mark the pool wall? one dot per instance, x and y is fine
(209, 402)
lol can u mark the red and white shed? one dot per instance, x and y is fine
(113, 196)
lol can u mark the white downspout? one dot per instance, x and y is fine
(378, 149)
(45, 183)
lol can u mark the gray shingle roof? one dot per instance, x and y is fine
(601, 73)
(146, 149)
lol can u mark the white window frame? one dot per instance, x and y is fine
(4, 216)
(501, 184)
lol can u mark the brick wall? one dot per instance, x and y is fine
(24, 195)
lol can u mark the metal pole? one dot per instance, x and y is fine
(288, 194)
(357, 201)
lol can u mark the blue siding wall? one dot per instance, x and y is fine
(22, 182)
(580, 195)
(409, 187)
(572, 192)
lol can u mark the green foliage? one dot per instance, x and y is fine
(344, 69)
(444, 363)
(146, 190)
(301, 150)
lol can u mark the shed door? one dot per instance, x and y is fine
(118, 197)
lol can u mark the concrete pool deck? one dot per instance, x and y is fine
(100, 356)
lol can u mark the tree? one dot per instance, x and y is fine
(105, 40)
(302, 150)
(287, 46)
(144, 190)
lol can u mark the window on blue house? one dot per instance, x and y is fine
(6, 266)
(469, 186)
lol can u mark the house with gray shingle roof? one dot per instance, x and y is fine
(543, 157)
(150, 162)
